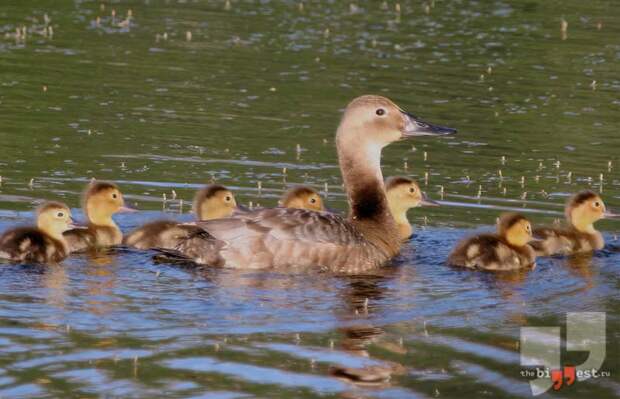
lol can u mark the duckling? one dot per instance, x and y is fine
(506, 250)
(582, 211)
(286, 238)
(302, 197)
(101, 200)
(211, 202)
(44, 243)
(402, 195)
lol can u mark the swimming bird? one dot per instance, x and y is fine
(509, 249)
(101, 200)
(298, 238)
(402, 195)
(582, 211)
(211, 202)
(44, 243)
(302, 197)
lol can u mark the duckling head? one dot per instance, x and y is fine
(584, 209)
(404, 194)
(214, 202)
(54, 218)
(302, 197)
(515, 229)
(375, 121)
(101, 201)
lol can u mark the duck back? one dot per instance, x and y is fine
(288, 239)
(92, 237)
(491, 252)
(30, 245)
(565, 241)
(166, 234)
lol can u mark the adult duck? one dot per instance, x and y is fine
(287, 238)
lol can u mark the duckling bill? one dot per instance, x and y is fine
(509, 249)
(582, 211)
(43, 243)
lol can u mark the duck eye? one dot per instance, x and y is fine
(114, 195)
(380, 112)
(60, 214)
(313, 200)
(412, 190)
(597, 204)
(228, 198)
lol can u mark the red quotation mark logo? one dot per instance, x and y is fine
(559, 376)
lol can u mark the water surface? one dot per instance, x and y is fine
(138, 103)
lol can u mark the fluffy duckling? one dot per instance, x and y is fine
(101, 200)
(44, 243)
(509, 249)
(211, 202)
(286, 238)
(302, 197)
(582, 211)
(402, 195)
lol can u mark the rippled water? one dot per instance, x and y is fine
(144, 106)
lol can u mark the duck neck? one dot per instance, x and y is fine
(98, 217)
(584, 227)
(363, 180)
(400, 216)
(55, 234)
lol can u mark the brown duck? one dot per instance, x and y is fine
(582, 211)
(506, 250)
(101, 200)
(211, 202)
(44, 243)
(299, 238)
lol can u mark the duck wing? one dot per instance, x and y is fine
(286, 238)
(80, 239)
(26, 244)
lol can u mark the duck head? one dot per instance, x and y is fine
(54, 218)
(214, 202)
(515, 229)
(302, 197)
(586, 208)
(101, 201)
(377, 121)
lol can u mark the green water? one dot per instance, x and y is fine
(142, 105)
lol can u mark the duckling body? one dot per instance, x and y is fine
(291, 238)
(582, 211)
(43, 243)
(211, 202)
(101, 201)
(506, 250)
(404, 194)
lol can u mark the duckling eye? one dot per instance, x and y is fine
(597, 204)
(313, 200)
(60, 214)
(114, 195)
(380, 112)
(412, 190)
(228, 198)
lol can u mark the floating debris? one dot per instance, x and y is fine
(396, 7)
(326, 33)
(44, 88)
(503, 160)
(593, 85)
(300, 6)
(188, 36)
(425, 156)
(227, 5)
(563, 29)
(426, 178)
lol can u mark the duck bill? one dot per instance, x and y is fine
(415, 126)
(611, 215)
(427, 201)
(126, 209)
(72, 225)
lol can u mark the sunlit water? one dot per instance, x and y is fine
(142, 105)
